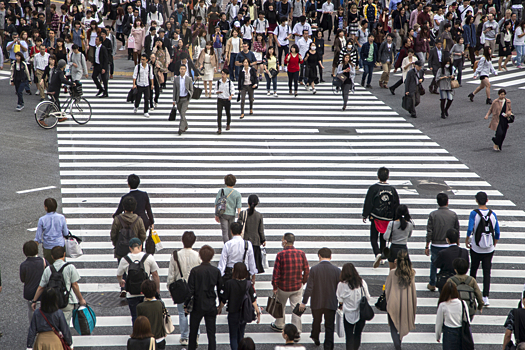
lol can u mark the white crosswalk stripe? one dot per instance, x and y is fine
(310, 164)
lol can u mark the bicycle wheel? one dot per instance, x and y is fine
(81, 111)
(46, 114)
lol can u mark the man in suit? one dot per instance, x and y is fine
(414, 77)
(101, 67)
(143, 208)
(436, 56)
(446, 256)
(149, 41)
(191, 71)
(182, 92)
(321, 287)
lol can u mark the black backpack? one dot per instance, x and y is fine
(125, 234)
(384, 203)
(179, 289)
(247, 309)
(136, 274)
(484, 231)
(56, 282)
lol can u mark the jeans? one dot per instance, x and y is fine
(422, 56)
(361, 64)
(459, 66)
(434, 251)
(222, 102)
(30, 311)
(346, 91)
(353, 334)
(269, 81)
(395, 334)
(451, 338)
(132, 303)
(226, 221)
(329, 321)
(369, 69)
(293, 77)
(486, 264)
(234, 71)
(20, 88)
(195, 319)
(374, 234)
(236, 328)
(183, 322)
(520, 54)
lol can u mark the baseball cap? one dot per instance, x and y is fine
(133, 241)
(237, 24)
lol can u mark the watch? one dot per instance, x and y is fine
(33, 302)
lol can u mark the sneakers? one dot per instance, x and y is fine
(146, 115)
(122, 48)
(486, 301)
(275, 94)
(377, 261)
(268, 93)
(431, 287)
(314, 91)
(19, 108)
(383, 261)
(183, 342)
(135, 110)
(152, 108)
(306, 87)
(156, 104)
(275, 328)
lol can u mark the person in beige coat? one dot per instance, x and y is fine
(401, 299)
(501, 111)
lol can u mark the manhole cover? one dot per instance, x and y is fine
(433, 187)
(106, 299)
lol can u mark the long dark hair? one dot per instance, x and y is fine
(444, 64)
(403, 215)
(350, 275)
(404, 270)
(448, 292)
(253, 200)
(486, 53)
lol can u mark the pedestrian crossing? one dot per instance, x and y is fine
(309, 162)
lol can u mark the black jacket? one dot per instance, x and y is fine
(412, 79)
(103, 57)
(140, 344)
(57, 79)
(253, 77)
(234, 291)
(204, 281)
(191, 67)
(370, 208)
(433, 59)
(322, 286)
(148, 44)
(446, 257)
(31, 271)
(143, 207)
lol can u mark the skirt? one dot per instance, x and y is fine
(394, 249)
(271, 28)
(208, 72)
(47, 341)
(507, 51)
(258, 258)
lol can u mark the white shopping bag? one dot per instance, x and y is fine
(339, 323)
(72, 245)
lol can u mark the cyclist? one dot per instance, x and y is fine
(57, 79)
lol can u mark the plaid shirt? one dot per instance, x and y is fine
(290, 270)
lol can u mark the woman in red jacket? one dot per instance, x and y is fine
(292, 61)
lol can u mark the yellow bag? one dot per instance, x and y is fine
(16, 48)
(156, 240)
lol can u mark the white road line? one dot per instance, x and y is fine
(36, 189)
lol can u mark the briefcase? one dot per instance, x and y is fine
(407, 103)
(197, 91)
(274, 307)
(173, 114)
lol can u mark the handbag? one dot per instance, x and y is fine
(264, 258)
(156, 240)
(339, 323)
(168, 324)
(511, 118)
(381, 302)
(407, 103)
(150, 244)
(274, 306)
(467, 343)
(273, 72)
(421, 89)
(342, 77)
(454, 84)
(366, 311)
(179, 289)
(131, 42)
(173, 114)
(197, 92)
(59, 334)
(84, 320)
(72, 245)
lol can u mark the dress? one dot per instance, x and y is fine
(208, 68)
(311, 66)
(138, 35)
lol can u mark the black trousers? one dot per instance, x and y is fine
(329, 321)
(210, 319)
(156, 88)
(111, 65)
(486, 264)
(397, 84)
(501, 132)
(353, 334)
(282, 49)
(374, 234)
(146, 91)
(97, 71)
(226, 104)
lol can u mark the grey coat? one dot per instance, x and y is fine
(80, 61)
(444, 84)
(176, 88)
(254, 229)
(385, 54)
(439, 221)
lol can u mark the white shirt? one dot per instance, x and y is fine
(450, 313)
(328, 7)
(97, 54)
(183, 92)
(519, 41)
(282, 33)
(438, 18)
(226, 89)
(247, 32)
(236, 44)
(146, 74)
(150, 266)
(299, 28)
(463, 10)
(350, 299)
(303, 45)
(188, 259)
(261, 26)
(233, 252)
(41, 61)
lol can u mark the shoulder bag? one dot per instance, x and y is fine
(466, 335)
(381, 302)
(197, 91)
(150, 244)
(166, 318)
(366, 311)
(58, 333)
(179, 289)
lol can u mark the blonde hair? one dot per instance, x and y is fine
(404, 270)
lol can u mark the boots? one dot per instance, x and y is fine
(449, 102)
(443, 116)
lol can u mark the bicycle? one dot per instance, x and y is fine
(47, 112)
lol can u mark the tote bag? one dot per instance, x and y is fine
(339, 323)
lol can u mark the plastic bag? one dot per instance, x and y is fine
(72, 245)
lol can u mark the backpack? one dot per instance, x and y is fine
(484, 235)
(136, 274)
(467, 294)
(247, 310)
(57, 282)
(179, 289)
(220, 208)
(125, 234)
(384, 204)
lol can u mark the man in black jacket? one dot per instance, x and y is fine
(149, 41)
(413, 79)
(204, 284)
(101, 67)
(380, 206)
(436, 56)
(191, 71)
(321, 287)
(446, 257)
(53, 89)
(143, 208)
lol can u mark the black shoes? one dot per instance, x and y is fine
(392, 91)
(488, 101)
(100, 92)
(369, 86)
(413, 116)
(471, 96)
(316, 341)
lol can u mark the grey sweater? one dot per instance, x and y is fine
(399, 236)
(439, 221)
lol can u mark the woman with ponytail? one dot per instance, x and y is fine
(254, 230)
(401, 299)
(398, 232)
